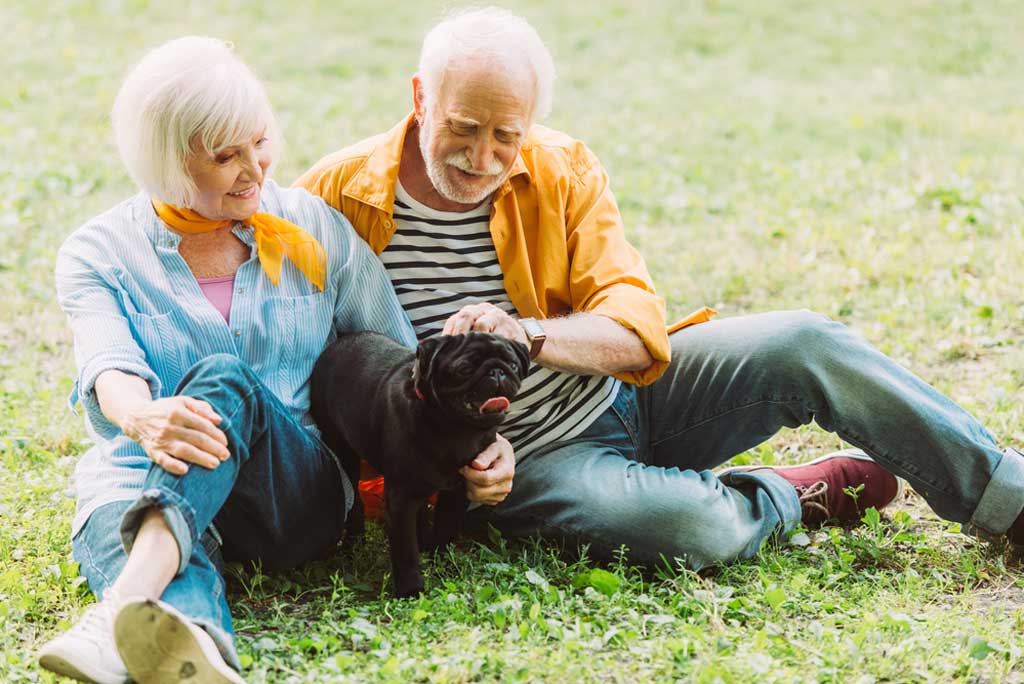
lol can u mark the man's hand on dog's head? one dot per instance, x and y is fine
(489, 475)
(485, 317)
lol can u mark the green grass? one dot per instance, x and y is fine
(861, 159)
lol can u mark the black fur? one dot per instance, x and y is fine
(363, 398)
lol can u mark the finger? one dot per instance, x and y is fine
(490, 322)
(169, 463)
(455, 321)
(487, 458)
(459, 324)
(184, 451)
(203, 408)
(199, 440)
(191, 420)
(462, 321)
(483, 479)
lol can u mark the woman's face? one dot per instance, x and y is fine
(229, 182)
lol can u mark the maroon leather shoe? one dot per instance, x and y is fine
(820, 485)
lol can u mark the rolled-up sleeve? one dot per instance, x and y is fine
(366, 301)
(103, 338)
(607, 275)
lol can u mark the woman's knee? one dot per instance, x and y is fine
(219, 366)
(222, 373)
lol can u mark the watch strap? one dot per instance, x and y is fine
(535, 335)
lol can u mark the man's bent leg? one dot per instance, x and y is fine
(591, 490)
(734, 382)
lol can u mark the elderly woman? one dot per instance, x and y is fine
(199, 307)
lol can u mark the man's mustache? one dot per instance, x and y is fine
(460, 160)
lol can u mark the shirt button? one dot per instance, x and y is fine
(389, 224)
(238, 333)
(241, 290)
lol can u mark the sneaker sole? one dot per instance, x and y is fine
(65, 668)
(845, 453)
(158, 646)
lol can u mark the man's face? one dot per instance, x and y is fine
(471, 133)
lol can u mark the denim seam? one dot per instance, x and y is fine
(725, 412)
(95, 567)
(629, 429)
(230, 419)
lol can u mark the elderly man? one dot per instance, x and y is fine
(486, 221)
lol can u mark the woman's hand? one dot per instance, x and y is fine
(489, 476)
(176, 431)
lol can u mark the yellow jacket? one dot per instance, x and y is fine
(557, 232)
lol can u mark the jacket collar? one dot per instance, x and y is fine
(374, 182)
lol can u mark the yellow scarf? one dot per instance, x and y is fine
(276, 238)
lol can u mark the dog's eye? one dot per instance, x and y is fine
(463, 368)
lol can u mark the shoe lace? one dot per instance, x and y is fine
(97, 624)
(814, 497)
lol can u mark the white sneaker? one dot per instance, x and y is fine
(160, 645)
(86, 652)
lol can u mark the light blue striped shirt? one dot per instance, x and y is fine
(134, 305)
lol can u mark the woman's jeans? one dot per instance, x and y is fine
(639, 476)
(280, 498)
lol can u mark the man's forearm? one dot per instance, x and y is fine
(119, 393)
(591, 344)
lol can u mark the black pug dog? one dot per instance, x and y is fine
(417, 417)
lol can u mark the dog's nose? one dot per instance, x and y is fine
(497, 374)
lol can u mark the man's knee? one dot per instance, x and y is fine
(797, 337)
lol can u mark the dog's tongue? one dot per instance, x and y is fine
(494, 405)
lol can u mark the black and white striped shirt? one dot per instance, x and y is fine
(438, 263)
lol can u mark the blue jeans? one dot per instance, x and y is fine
(639, 476)
(281, 498)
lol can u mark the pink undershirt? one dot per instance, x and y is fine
(218, 291)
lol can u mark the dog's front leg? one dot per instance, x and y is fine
(449, 516)
(403, 510)
(423, 534)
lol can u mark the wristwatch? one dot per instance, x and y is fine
(535, 335)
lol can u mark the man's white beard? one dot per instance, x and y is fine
(436, 173)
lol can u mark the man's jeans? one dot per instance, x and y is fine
(639, 475)
(280, 498)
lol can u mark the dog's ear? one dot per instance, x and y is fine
(426, 351)
(523, 354)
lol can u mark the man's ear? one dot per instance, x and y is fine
(418, 98)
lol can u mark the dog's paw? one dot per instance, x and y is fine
(410, 587)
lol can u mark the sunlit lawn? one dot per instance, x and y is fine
(861, 159)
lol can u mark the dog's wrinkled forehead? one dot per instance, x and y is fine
(442, 353)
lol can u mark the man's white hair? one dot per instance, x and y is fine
(189, 95)
(491, 31)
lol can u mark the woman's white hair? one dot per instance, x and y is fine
(187, 96)
(491, 31)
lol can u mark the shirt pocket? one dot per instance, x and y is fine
(304, 325)
(161, 341)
